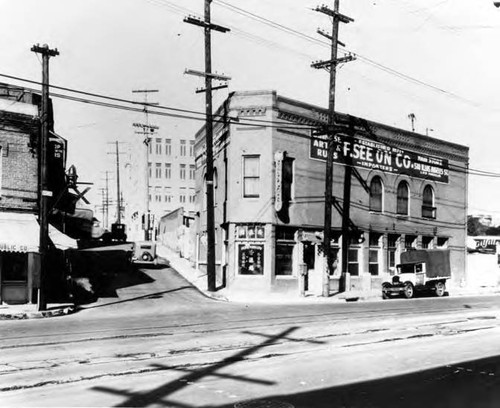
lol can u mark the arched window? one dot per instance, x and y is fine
(428, 208)
(376, 194)
(403, 198)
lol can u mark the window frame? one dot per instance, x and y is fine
(402, 200)
(428, 208)
(373, 199)
(246, 178)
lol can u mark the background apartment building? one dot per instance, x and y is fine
(167, 165)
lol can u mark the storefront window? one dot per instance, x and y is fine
(284, 259)
(14, 267)
(251, 259)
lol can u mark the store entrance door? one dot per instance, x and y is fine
(309, 259)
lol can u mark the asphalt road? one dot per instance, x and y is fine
(166, 344)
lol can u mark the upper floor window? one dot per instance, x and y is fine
(191, 171)
(251, 176)
(428, 208)
(183, 172)
(376, 194)
(191, 148)
(158, 146)
(168, 147)
(403, 200)
(150, 169)
(168, 170)
(158, 170)
(183, 148)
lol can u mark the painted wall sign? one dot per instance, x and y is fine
(6, 247)
(370, 154)
(251, 259)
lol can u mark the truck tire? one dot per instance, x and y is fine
(440, 289)
(385, 294)
(409, 290)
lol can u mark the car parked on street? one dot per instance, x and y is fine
(144, 252)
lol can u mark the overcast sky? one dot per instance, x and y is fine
(437, 59)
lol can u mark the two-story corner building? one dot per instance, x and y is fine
(19, 228)
(269, 188)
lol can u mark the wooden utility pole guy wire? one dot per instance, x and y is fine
(209, 76)
(43, 191)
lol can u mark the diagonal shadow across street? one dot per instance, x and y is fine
(158, 396)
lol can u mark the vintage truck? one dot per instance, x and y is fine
(420, 270)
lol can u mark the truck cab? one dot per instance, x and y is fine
(419, 271)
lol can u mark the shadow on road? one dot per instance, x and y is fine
(156, 295)
(473, 384)
(159, 395)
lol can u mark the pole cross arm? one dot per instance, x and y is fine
(329, 63)
(201, 23)
(207, 75)
(335, 14)
(325, 34)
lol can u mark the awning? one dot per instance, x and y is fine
(61, 240)
(19, 232)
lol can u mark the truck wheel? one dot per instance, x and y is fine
(440, 288)
(409, 290)
(385, 293)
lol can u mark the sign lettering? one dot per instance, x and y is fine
(369, 154)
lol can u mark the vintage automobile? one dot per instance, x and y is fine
(144, 252)
(423, 270)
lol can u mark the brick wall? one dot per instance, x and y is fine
(19, 169)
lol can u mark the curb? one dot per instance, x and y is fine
(37, 315)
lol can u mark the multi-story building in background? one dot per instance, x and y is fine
(167, 165)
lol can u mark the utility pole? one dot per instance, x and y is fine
(209, 76)
(118, 192)
(43, 192)
(105, 200)
(331, 129)
(147, 131)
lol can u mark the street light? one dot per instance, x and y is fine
(496, 4)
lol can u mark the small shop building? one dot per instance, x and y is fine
(19, 228)
(407, 191)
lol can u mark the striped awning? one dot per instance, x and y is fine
(19, 232)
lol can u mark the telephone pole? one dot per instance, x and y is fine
(43, 192)
(118, 193)
(209, 76)
(331, 129)
(147, 131)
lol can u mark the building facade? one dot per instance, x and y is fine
(19, 194)
(167, 165)
(406, 191)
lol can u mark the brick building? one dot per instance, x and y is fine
(19, 229)
(410, 191)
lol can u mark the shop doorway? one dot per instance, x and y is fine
(309, 259)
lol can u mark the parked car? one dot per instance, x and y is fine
(420, 270)
(144, 252)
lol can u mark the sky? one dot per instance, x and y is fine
(436, 59)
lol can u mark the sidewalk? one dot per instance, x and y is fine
(30, 311)
(197, 278)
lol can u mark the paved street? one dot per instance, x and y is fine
(178, 348)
